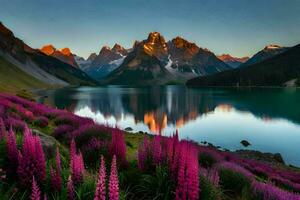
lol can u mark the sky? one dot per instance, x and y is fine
(237, 27)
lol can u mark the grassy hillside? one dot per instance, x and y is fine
(61, 70)
(271, 72)
(13, 80)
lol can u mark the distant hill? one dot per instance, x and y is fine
(275, 71)
(266, 53)
(47, 69)
(233, 62)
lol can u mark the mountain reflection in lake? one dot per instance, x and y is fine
(268, 118)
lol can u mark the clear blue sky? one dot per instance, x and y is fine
(238, 27)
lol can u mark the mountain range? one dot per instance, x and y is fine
(282, 69)
(153, 61)
(233, 62)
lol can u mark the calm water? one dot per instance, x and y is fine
(268, 118)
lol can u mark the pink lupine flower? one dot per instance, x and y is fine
(12, 152)
(77, 168)
(55, 179)
(188, 181)
(113, 181)
(181, 189)
(72, 148)
(35, 193)
(70, 189)
(76, 164)
(192, 169)
(118, 146)
(31, 159)
(100, 193)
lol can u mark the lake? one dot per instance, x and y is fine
(268, 118)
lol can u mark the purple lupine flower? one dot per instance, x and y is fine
(267, 191)
(100, 193)
(237, 168)
(62, 131)
(113, 184)
(283, 181)
(70, 189)
(16, 124)
(2, 129)
(2, 111)
(118, 146)
(41, 121)
(157, 150)
(93, 145)
(211, 174)
(174, 156)
(35, 193)
(31, 159)
(12, 152)
(143, 152)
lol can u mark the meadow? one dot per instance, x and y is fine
(47, 153)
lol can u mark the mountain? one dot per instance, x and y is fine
(85, 63)
(45, 68)
(233, 62)
(106, 61)
(144, 65)
(279, 70)
(268, 52)
(158, 62)
(63, 55)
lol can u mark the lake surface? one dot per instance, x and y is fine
(268, 118)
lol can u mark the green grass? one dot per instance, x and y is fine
(13, 80)
(132, 142)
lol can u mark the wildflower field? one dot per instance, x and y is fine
(46, 153)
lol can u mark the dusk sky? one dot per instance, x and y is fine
(238, 27)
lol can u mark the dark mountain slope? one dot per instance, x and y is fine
(272, 72)
(45, 68)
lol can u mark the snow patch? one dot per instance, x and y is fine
(117, 62)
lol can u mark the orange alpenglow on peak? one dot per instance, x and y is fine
(228, 57)
(66, 51)
(155, 45)
(48, 49)
(272, 46)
